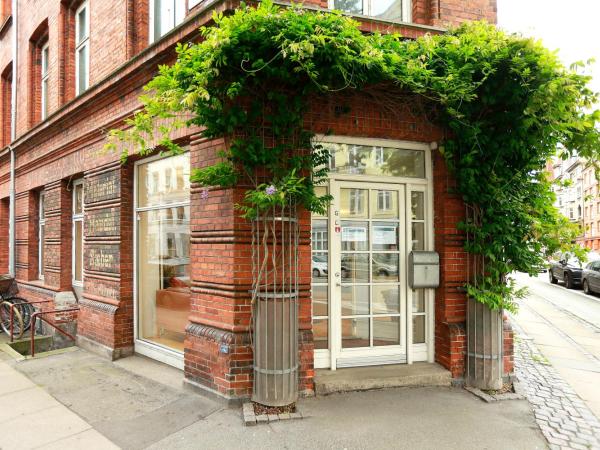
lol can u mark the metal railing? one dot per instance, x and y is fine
(12, 315)
(39, 314)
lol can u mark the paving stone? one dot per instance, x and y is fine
(562, 416)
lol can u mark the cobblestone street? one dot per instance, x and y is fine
(563, 417)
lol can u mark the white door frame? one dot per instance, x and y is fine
(414, 352)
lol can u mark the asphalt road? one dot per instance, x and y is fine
(565, 325)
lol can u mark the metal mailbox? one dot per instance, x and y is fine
(423, 269)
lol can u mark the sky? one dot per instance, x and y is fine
(572, 27)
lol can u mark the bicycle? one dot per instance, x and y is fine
(21, 311)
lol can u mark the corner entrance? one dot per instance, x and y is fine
(363, 310)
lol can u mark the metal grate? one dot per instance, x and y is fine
(275, 306)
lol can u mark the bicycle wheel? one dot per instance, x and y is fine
(18, 328)
(25, 308)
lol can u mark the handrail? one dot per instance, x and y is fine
(39, 314)
(12, 314)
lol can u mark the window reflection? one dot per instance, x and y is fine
(374, 160)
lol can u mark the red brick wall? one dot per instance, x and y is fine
(447, 13)
(508, 343)
(4, 212)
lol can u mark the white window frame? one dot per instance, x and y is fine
(41, 235)
(79, 45)
(77, 217)
(178, 17)
(368, 6)
(45, 75)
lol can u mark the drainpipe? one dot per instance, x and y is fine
(13, 137)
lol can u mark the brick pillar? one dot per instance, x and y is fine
(508, 342)
(218, 353)
(450, 299)
(105, 323)
(58, 243)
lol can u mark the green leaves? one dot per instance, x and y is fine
(507, 102)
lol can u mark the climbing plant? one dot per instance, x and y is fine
(508, 103)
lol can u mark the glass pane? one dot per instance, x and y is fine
(418, 236)
(355, 333)
(164, 276)
(386, 299)
(44, 98)
(153, 188)
(355, 268)
(82, 69)
(349, 6)
(355, 300)
(371, 160)
(77, 269)
(355, 236)
(320, 267)
(320, 191)
(418, 205)
(353, 203)
(320, 299)
(42, 204)
(82, 25)
(418, 296)
(418, 329)
(384, 204)
(320, 333)
(386, 331)
(320, 234)
(385, 267)
(387, 9)
(385, 236)
(42, 245)
(45, 53)
(78, 199)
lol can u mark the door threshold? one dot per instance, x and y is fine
(380, 377)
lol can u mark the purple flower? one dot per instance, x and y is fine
(204, 194)
(270, 190)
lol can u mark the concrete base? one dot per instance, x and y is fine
(229, 402)
(102, 350)
(381, 377)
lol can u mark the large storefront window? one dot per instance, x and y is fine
(163, 251)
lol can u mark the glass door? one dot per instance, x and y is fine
(369, 282)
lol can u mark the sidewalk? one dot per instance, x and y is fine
(137, 403)
(32, 418)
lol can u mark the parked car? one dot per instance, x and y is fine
(591, 277)
(319, 266)
(568, 268)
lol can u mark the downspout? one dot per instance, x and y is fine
(13, 137)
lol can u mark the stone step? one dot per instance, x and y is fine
(380, 377)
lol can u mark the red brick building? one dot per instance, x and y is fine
(166, 273)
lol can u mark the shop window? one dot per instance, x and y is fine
(382, 9)
(163, 251)
(77, 267)
(164, 16)
(41, 234)
(6, 106)
(82, 48)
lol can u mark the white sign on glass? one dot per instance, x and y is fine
(354, 234)
(384, 235)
